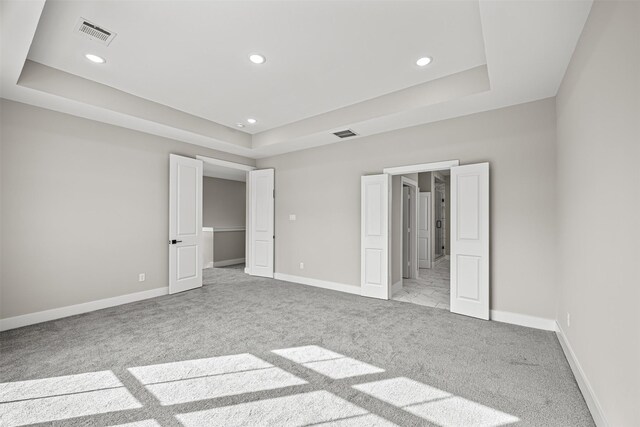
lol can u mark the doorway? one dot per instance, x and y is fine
(221, 216)
(467, 242)
(224, 208)
(430, 285)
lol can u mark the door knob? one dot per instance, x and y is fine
(173, 242)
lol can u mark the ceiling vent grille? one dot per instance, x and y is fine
(94, 32)
(347, 133)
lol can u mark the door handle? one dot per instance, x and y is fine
(173, 242)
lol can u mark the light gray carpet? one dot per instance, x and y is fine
(362, 362)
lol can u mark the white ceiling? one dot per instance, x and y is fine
(321, 57)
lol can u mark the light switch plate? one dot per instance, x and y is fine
(292, 217)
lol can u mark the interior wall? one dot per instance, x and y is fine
(598, 109)
(223, 203)
(424, 182)
(322, 187)
(84, 209)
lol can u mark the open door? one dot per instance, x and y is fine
(424, 230)
(375, 216)
(470, 240)
(185, 223)
(406, 233)
(260, 223)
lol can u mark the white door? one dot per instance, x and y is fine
(260, 227)
(185, 223)
(406, 232)
(470, 240)
(424, 230)
(374, 231)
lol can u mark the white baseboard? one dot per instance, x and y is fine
(334, 286)
(227, 262)
(523, 320)
(208, 265)
(396, 287)
(585, 387)
(72, 310)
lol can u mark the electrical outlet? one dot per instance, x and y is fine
(141, 277)
(568, 320)
(292, 217)
(302, 266)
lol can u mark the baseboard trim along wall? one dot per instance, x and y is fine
(523, 320)
(583, 383)
(72, 310)
(334, 286)
(227, 262)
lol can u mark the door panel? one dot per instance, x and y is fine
(185, 223)
(470, 240)
(375, 216)
(261, 229)
(406, 235)
(424, 230)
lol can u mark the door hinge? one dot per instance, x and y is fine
(274, 193)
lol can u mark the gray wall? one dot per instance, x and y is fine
(322, 187)
(424, 181)
(228, 245)
(224, 205)
(84, 209)
(598, 110)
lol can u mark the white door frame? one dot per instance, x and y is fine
(413, 220)
(419, 168)
(247, 169)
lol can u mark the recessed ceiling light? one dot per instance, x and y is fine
(252, 121)
(423, 61)
(95, 58)
(240, 125)
(257, 59)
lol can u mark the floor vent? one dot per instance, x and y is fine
(94, 32)
(345, 133)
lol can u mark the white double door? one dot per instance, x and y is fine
(185, 223)
(469, 238)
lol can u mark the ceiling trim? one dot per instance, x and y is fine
(524, 64)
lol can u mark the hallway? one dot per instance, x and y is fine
(430, 289)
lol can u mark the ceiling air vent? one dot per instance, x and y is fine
(94, 32)
(345, 133)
